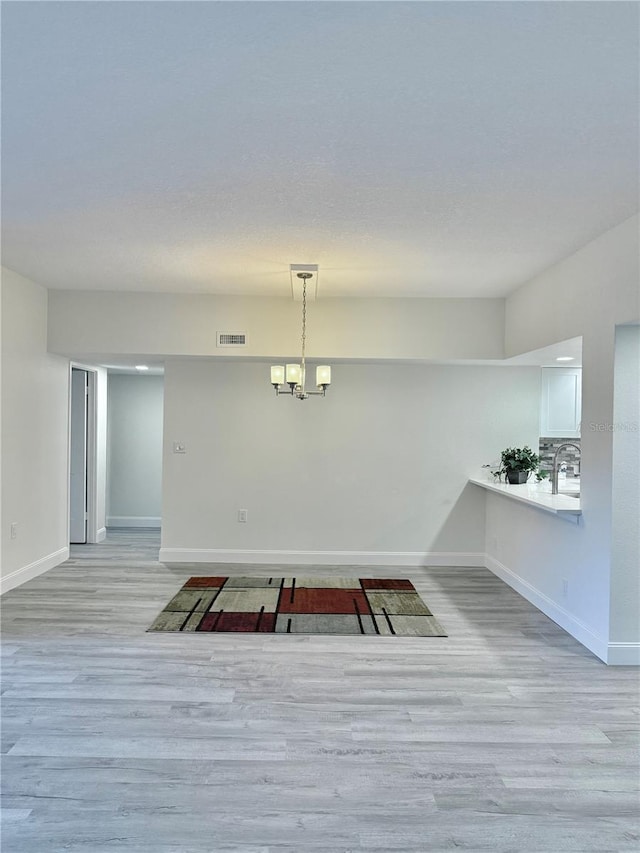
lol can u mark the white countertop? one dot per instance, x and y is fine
(539, 495)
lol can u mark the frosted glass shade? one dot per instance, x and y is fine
(277, 374)
(323, 375)
(293, 374)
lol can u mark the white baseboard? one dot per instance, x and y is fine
(133, 521)
(624, 654)
(100, 536)
(560, 616)
(27, 573)
(323, 558)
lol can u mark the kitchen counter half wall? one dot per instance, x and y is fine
(539, 495)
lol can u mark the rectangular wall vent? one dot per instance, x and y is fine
(232, 339)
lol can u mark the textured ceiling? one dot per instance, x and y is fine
(444, 149)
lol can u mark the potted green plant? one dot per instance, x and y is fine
(517, 464)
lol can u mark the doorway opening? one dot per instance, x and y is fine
(134, 449)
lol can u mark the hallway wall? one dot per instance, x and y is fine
(34, 436)
(625, 574)
(134, 481)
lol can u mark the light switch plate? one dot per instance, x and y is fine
(179, 447)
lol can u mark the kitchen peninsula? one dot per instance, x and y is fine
(566, 505)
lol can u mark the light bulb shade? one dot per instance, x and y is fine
(323, 375)
(277, 374)
(294, 374)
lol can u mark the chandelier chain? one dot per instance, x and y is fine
(304, 324)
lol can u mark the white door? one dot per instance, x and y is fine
(78, 458)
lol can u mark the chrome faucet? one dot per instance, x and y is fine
(554, 470)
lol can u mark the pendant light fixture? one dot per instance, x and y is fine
(294, 375)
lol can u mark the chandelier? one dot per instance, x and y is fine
(294, 375)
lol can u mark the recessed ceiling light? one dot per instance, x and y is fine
(141, 367)
(565, 358)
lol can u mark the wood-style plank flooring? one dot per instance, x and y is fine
(506, 736)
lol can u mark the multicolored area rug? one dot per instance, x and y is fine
(299, 606)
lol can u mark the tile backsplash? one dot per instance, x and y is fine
(547, 449)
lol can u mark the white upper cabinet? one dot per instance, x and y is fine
(561, 402)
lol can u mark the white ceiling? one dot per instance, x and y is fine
(409, 149)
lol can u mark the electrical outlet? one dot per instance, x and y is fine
(179, 447)
(242, 515)
(14, 530)
(565, 587)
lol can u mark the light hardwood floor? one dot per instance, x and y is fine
(506, 736)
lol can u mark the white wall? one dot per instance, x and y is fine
(377, 471)
(587, 294)
(134, 451)
(625, 570)
(1, 448)
(535, 551)
(34, 436)
(88, 325)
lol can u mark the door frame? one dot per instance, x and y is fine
(94, 534)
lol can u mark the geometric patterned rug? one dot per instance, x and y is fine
(301, 605)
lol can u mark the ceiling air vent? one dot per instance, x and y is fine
(232, 339)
